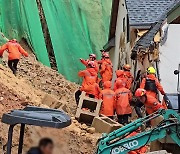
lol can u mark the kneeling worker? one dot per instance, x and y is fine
(89, 85)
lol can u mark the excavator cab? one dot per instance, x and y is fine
(33, 116)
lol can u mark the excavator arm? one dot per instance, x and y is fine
(117, 143)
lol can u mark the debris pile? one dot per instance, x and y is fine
(49, 81)
(38, 85)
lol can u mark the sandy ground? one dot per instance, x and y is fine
(32, 83)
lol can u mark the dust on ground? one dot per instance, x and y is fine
(49, 81)
(34, 81)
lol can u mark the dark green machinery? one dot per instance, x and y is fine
(117, 143)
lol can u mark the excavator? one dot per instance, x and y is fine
(118, 142)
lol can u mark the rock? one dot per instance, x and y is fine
(83, 134)
(84, 126)
(75, 121)
(91, 130)
(1, 98)
(73, 118)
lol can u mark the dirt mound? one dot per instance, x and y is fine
(48, 80)
(32, 84)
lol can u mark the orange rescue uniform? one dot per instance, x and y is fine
(89, 84)
(14, 50)
(152, 104)
(123, 96)
(120, 76)
(129, 79)
(108, 97)
(157, 83)
(85, 62)
(106, 70)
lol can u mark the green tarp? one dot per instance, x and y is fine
(76, 28)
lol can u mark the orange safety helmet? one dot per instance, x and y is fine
(140, 92)
(120, 84)
(92, 56)
(91, 64)
(107, 84)
(127, 67)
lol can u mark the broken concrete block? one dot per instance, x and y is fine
(85, 116)
(88, 108)
(104, 124)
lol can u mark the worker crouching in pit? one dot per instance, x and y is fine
(15, 51)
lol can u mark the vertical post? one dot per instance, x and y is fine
(178, 102)
(178, 89)
(10, 134)
(21, 139)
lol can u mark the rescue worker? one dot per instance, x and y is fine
(151, 84)
(106, 70)
(15, 51)
(120, 76)
(108, 97)
(89, 76)
(128, 76)
(102, 52)
(102, 56)
(151, 103)
(141, 150)
(92, 57)
(123, 97)
(46, 146)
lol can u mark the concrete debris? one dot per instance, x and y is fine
(91, 130)
(104, 124)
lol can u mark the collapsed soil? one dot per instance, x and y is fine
(33, 82)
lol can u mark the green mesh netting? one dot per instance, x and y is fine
(76, 28)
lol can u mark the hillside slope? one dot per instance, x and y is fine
(34, 81)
